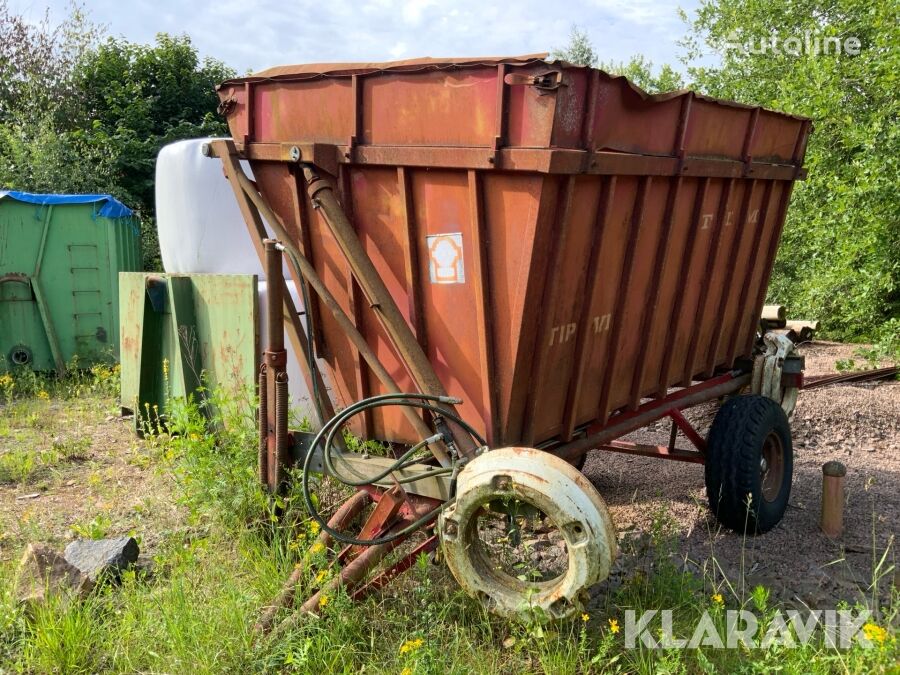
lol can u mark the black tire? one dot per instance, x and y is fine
(749, 464)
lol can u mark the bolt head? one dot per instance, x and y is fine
(206, 149)
(295, 154)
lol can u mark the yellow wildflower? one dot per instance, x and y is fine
(321, 576)
(874, 632)
(323, 601)
(314, 527)
(43, 395)
(718, 599)
(614, 625)
(411, 645)
(406, 671)
(585, 618)
(318, 547)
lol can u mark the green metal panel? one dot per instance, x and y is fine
(59, 299)
(183, 334)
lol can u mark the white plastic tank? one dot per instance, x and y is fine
(201, 231)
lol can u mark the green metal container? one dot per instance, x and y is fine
(60, 257)
(186, 335)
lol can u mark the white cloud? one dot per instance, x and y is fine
(249, 34)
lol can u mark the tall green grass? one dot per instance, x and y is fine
(195, 611)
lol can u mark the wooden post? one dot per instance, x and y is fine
(832, 520)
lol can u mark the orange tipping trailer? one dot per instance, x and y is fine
(564, 256)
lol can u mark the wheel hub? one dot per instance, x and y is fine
(771, 466)
(541, 481)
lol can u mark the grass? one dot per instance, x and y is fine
(227, 556)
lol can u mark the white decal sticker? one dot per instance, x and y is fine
(445, 258)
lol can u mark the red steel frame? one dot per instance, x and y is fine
(689, 176)
(395, 508)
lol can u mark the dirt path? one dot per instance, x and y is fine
(89, 476)
(858, 424)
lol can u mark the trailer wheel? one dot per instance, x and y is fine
(530, 480)
(749, 464)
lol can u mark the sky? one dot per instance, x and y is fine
(250, 35)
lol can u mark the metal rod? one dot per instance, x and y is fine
(263, 424)
(660, 451)
(281, 431)
(380, 299)
(625, 423)
(274, 317)
(688, 430)
(285, 599)
(225, 151)
(315, 281)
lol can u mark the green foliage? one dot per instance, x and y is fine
(640, 71)
(79, 114)
(580, 51)
(140, 97)
(839, 259)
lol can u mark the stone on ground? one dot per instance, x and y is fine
(43, 572)
(97, 557)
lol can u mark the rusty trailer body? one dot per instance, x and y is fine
(601, 245)
(564, 256)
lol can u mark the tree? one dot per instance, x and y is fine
(839, 259)
(140, 97)
(640, 71)
(580, 51)
(42, 147)
(37, 61)
(78, 114)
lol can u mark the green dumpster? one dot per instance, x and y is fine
(60, 257)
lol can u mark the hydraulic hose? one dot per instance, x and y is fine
(328, 432)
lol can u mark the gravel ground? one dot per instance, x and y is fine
(858, 424)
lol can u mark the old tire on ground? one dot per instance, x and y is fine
(749, 464)
(569, 501)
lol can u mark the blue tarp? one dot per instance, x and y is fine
(110, 207)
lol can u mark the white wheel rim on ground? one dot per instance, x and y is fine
(564, 495)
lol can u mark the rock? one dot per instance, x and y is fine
(43, 572)
(95, 557)
(145, 568)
